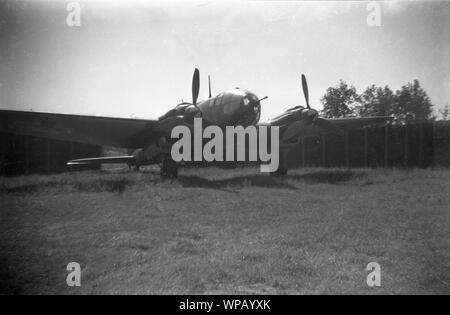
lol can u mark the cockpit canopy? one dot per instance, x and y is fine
(231, 108)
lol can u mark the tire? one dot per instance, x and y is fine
(281, 171)
(169, 169)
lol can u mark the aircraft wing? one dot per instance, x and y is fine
(291, 135)
(117, 132)
(356, 122)
(339, 125)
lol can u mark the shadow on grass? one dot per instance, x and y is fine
(100, 185)
(313, 177)
(28, 188)
(329, 176)
(239, 181)
(117, 185)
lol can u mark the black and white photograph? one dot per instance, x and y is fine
(224, 154)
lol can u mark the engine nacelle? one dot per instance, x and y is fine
(186, 110)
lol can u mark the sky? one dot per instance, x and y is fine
(136, 58)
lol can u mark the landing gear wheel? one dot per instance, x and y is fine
(169, 169)
(281, 171)
(282, 168)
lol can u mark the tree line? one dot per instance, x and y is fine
(409, 103)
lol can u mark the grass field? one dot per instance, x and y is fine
(218, 231)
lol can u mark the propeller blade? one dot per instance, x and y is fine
(305, 90)
(209, 86)
(327, 126)
(195, 86)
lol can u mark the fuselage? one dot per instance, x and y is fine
(231, 108)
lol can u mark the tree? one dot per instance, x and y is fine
(340, 101)
(376, 101)
(412, 103)
(445, 113)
